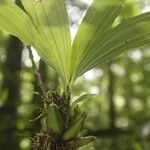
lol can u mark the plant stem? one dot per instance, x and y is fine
(37, 75)
(58, 118)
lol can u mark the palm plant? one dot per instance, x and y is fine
(44, 25)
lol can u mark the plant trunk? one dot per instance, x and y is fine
(63, 124)
(11, 84)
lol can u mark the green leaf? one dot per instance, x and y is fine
(131, 33)
(51, 21)
(80, 142)
(44, 25)
(54, 120)
(15, 21)
(74, 130)
(98, 19)
(82, 98)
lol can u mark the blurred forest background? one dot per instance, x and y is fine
(119, 115)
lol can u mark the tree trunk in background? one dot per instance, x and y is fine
(110, 97)
(112, 113)
(11, 84)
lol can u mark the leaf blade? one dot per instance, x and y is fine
(15, 21)
(82, 98)
(132, 33)
(52, 24)
(98, 19)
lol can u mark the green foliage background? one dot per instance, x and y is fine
(118, 115)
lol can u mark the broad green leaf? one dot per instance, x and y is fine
(44, 25)
(82, 98)
(98, 19)
(15, 21)
(131, 33)
(51, 20)
(29, 7)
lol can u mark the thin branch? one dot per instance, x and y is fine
(37, 74)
